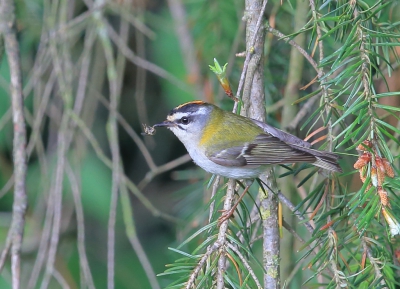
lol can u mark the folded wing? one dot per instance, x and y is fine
(267, 149)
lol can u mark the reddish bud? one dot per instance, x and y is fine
(380, 170)
(374, 177)
(383, 196)
(388, 168)
(363, 175)
(362, 161)
(363, 146)
(379, 164)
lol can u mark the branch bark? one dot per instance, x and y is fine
(8, 31)
(254, 103)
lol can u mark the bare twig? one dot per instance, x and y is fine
(230, 191)
(200, 264)
(63, 140)
(374, 261)
(112, 133)
(307, 107)
(130, 55)
(100, 154)
(136, 21)
(285, 38)
(122, 121)
(163, 168)
(7, 29)
(44, 243)
(60, 279)
(186, 42)
(321, 74)
(246, 264)
(213, 192)
(289, 204)
(219, 244)
(134, 239)
(249, 52)
(6, 188)
(80, 223)
(141, 78)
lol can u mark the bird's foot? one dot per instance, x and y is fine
(226, 214)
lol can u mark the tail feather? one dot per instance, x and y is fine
(325, 160)
(327, 164)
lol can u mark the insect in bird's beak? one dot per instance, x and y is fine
(150, 130)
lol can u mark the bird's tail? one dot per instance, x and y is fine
(325, 160)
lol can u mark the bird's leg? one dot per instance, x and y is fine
(227, 214)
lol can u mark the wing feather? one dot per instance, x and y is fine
(265, 150)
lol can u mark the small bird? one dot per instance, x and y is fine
(238, 147)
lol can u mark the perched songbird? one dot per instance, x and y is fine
(234, 146)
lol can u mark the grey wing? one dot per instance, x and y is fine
(282, 135)
(230, 157)
(264, 150)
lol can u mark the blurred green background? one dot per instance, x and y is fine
(162, 50)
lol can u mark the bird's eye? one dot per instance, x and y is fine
(185, 120)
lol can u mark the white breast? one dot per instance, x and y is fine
(197, 153)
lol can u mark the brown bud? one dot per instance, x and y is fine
(374, 177)
(384, 196)
(363, 175)
(388, 168)
(380, 170)
(362, 161)
(363, 146)
(368, 187)
(379, 164)
(397, 254)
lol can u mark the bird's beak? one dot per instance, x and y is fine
(165, 123)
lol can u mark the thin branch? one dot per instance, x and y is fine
(134, 239)
(162, 169)
(285, 38)
(5, 189)
(112, 134)
(246, 264)
(306, 109)
(372, 259)
(124, 11)
(60, 279)
(80, 223)
(135, 137)
(141, 77)
(249, 53)
(200, 264)
(63, 140)
(188, 50)
(298, 214)
(321, 74)
(130, 55)
(101, 155)
(44, 243)
(230, 191)
(213, 192)
(8, 31)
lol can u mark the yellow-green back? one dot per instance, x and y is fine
(228, 130)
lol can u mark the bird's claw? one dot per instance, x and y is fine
(226, 214)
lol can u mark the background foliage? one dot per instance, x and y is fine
(105, 203)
